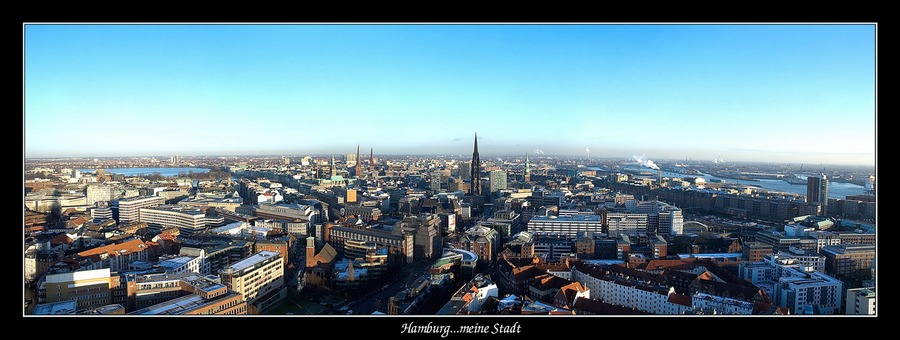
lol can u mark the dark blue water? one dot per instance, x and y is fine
(167, 172)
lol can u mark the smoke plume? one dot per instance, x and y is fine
(642, 160)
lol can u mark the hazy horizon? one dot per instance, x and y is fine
(750, 93)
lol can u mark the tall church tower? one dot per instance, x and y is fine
(476, 170)
(311, 252)
(333, 169)
(527, 169)
(358, 163)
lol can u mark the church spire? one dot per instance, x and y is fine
(333, 169)
(527, 169)
(476, 170)
(358, 163)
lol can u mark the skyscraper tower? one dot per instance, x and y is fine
(817, 192)
(527, 170)
(476, 170)
(371, 163)
(358, 163)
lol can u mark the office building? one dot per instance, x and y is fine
(426, 228)
(626, 224)
(130, 208)
(89, 288)
(259, 278)
(670, 221)
(792, 282)
(860, 301)
(102, 192)
(480, 240)
(774, 266)
(365, 213)
(290, 212)
(568, 226)
(808, 293)
(498, 180)
(817, 192)
(435, 179)
(101, 211)
(847, 261)
(400, 246)
(757, 251)
(206, 297)
(178, 265)
(187, 220)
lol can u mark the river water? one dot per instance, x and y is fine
(835, 189)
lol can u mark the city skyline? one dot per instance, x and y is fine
(772, 93)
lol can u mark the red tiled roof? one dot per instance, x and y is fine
(683, 300)
(81, 220)
(574, 286)
(61, 238)
(115, 249)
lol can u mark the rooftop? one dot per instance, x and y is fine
(177, 208)
(254, 260)
(131, 246)
(567, 218)
(56, 308)
(182, 305)
(175, 262)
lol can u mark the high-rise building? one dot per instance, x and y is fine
(436, 180)
(476, 170)
(371, 163)
(817, 192)
(498, 180)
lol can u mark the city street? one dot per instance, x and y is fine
(367, 304)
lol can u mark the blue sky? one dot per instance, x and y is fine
(781, 93)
